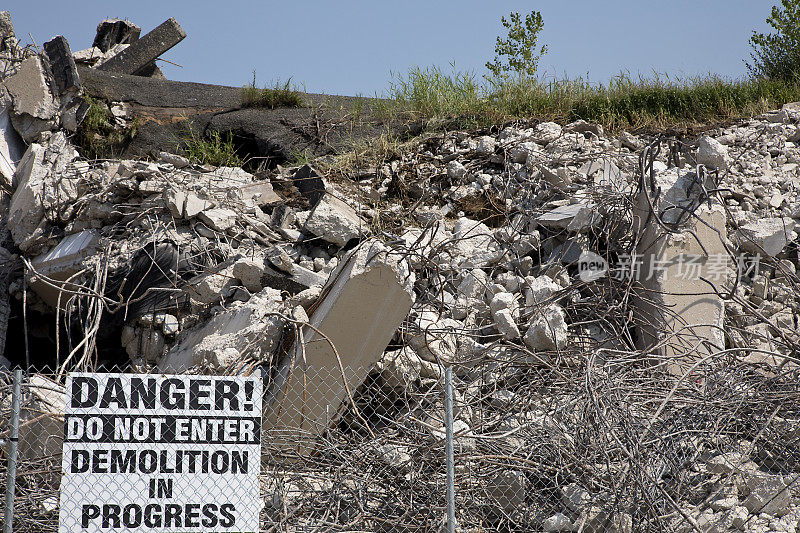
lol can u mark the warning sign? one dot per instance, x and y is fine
(147, 452)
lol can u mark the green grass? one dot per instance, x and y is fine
(98, 136)
(623, 103)
(279, 95)
(211, 150)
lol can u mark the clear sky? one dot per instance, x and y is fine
(352, 47)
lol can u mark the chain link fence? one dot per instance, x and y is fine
(589, 445)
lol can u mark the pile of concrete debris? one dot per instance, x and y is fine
(522, 253)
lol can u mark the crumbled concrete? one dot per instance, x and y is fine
(246, 329)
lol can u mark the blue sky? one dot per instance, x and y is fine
(351, 47)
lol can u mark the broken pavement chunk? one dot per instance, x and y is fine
(363, 303)
(141, 53)
(335, 221)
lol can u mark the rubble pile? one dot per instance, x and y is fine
(620, 311)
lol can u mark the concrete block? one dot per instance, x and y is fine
(115, 31)
(62, 65)
(218, 219)
(767, 236)
(334, 221)
(678, 311)
(363, 303)
(261, 192)
(141, 53)
(59, 264)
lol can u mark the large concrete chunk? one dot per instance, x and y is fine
(335, 221)
(111, 32)
(41, 183)
(34, 107)
(139, 55)
(365, 300)
(679, 312)
(768, 236)
(62, 65)
(252, 328)
(59, 264)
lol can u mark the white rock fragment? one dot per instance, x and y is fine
(770, 235)
(335, 221)
(249, 272)
(548, 330)
(218, 218)
(557, 522)
(455, 170)
(712, 154)
(486, 145)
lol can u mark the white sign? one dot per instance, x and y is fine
(146, 452)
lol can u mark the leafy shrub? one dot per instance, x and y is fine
(776, 55)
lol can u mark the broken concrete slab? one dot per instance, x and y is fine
(61, 263)
(261, 192)
(294, 282)
(34, 107)
(249, 272)
(62, 66)
(572, 217)
(769, 236)
(363, 304)
(12, 147)
(111, 32)
(141, 53)
(219, 218)
(334, 221)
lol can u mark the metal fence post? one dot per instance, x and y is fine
(448, 422)
(13, 442)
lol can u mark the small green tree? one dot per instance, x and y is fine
(777, 55)
(519, 53)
